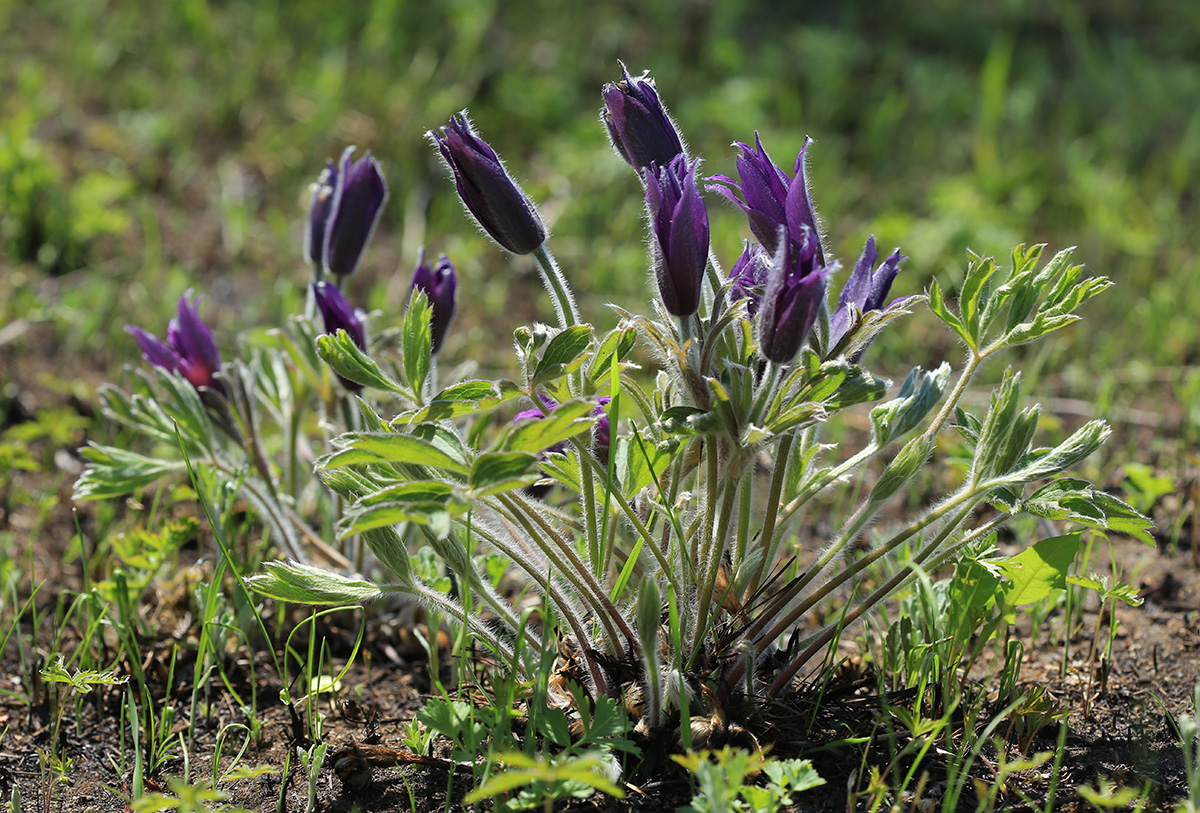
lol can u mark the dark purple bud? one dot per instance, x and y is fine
(602, 431)
(679, 227)
(792, 300)
(501, 208)
(338, 315)
(748, 276)
(440, 284)
(638, 125)
(769, 197)
(189, 349)
(318, 215)
(357, 204)
(866, 288)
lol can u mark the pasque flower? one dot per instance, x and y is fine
(748, 276)
(866, 288)
(771, 198)
(347, 202)
(440, 285)
(337, 314)
(493, 198)
(638, 125)
(601, 431)
(793, 297)
(189, 349)
(679, 231)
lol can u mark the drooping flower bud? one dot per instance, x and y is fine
(440, 284)
(337, 314)
(318, 215)
(638, 125)
(354, 211)
(748, 276)
(866, 288)
(679, 227)
(189, 349)
(770, 198)
(501, 208)
(792, 300)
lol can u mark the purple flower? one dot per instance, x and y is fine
(501, 208)
(793, 298)
(318, 214)
(338, 315)
(359, 193)
(679, 226)
(189, 349)
(770, 198)
(748, 276)
(865, 289)
(638, 125)
(440, 285)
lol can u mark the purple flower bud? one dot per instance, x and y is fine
(679, 226)
(638, 125)
(337, 314)
(601, 431)
(865, 288)
(769, 197)
(440, 285)
(318, 215)
(357, 203)
(501, 208)
(189, 350)
(792, 300)
(748, 276)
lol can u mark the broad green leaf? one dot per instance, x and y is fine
(466, 398)
(417, 339)
(1038, 571)
(346, 359)
(112, 472)
(618, 342)
(565, 353)
(938, 305)
(432, 514)
(387, 447)
(565, 421)
(497, 472)
(303, 584)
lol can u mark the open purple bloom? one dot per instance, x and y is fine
(638, 125)
(770, 198)
(354, 210)
(189, 349)
(866, 288)
(338, 315)
(793, 298)
(679, 226)
(493, 198)
(440, 285)
(748, 276)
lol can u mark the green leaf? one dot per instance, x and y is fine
(385, 447)
(346, 359)
(465, 398)
(907, 462)
(112, 472)
(617, 342)
(303, 584)
(565, 421)
(905, 412)
(972, 299)
(434, 515)
(497, 472)
(565, 353)
(938, 306)
(417, 339)
(1038, 571)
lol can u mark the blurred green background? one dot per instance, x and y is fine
(148, 147)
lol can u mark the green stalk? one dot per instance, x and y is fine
(589, 510)
(956, 394)
(556, 284)
(768, 530)
(712, 561)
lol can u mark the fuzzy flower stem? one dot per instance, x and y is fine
(956, 394)
(903, 576)
(556, 284)
(768, 528)
(715, 538)
(595, 555)
(635, 520)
